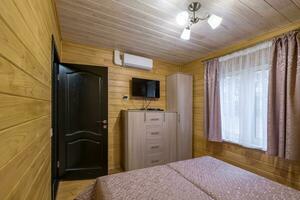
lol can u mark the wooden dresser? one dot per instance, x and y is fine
(149, 138)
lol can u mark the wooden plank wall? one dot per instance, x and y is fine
(118, 85)
(282, 171)
(25, 96)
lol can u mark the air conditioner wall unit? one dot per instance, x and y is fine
(137, 62)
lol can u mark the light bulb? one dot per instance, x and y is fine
(186, 33)
(214, 21)
(182, 18)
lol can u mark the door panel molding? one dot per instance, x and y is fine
(82, 104)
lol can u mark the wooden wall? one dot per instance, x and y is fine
(118, 85)
(25, 92)
(283, 171)
(25, 87)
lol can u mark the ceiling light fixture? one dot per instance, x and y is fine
(214, 21)
(184, 18)
(186, 33)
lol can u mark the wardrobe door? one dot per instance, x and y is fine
(135, 144)
(170, 130)
(185, 116)
(172, 93)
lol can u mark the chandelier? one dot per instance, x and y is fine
(189, 18)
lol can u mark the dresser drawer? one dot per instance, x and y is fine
(154, 118)
(154, 146)
(154, 159)
(153, 131)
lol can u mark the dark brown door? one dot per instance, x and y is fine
(82, 105)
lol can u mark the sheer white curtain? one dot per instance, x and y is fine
(244, 95)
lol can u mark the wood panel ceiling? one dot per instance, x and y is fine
(148, 27)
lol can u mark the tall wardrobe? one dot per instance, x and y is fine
(180, 100)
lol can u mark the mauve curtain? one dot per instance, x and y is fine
(284, 98)
(212, 118)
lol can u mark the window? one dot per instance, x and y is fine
(244, 96)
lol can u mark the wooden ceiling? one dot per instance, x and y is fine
(148, 27)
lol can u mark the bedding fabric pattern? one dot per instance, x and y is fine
(204, 178)
(223, 181)
(160, 182)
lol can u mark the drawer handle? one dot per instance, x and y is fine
(154, 133)
(154, 119)
(154, 161)
(155, 147)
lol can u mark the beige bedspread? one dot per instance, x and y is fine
(202, 178)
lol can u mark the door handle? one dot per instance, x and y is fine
(102, 122)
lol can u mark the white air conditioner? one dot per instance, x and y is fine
(137, 62)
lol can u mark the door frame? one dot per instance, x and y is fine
(91, 69)
(55, 60)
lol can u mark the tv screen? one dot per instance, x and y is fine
(145, 88)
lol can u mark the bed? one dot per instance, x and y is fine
(203, 178)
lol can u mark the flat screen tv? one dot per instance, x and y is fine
(145, 88)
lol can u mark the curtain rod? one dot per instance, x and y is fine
(246, 46)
